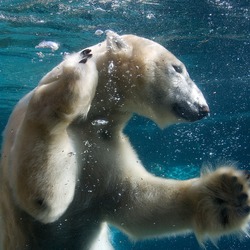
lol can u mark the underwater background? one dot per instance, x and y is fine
(211, 37)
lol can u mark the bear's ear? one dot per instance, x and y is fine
(115, 43)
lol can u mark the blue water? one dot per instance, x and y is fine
(210, 36)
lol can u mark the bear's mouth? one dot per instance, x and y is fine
(191, 114)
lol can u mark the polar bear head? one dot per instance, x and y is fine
(137, 75)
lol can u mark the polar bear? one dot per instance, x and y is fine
(67, 169)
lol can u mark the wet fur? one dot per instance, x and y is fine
(63, 179)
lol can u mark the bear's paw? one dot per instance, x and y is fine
(223, 204)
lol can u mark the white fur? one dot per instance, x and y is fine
(102, 242)
(67, 169)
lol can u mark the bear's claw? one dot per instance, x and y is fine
(233, 198)
(85, 55)
(85, 52)
(225, 202)
(247, 174)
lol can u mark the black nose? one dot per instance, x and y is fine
(203, 111)
(190, 112)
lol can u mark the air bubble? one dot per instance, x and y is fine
(99, 32)
(110, 67)
(71, 154)
(48, 44)
(150, 16)
(99, 122)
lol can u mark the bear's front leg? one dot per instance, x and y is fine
(213, 205)
(43, 160)
(222, 202)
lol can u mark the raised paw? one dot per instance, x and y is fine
(223, 204)
(66, 92)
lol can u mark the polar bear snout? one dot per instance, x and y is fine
(190, 113)
(203, 111)
(188, 102)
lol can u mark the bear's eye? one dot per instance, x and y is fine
(178, 69)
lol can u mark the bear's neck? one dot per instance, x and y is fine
(102, 123)
(108, 111)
